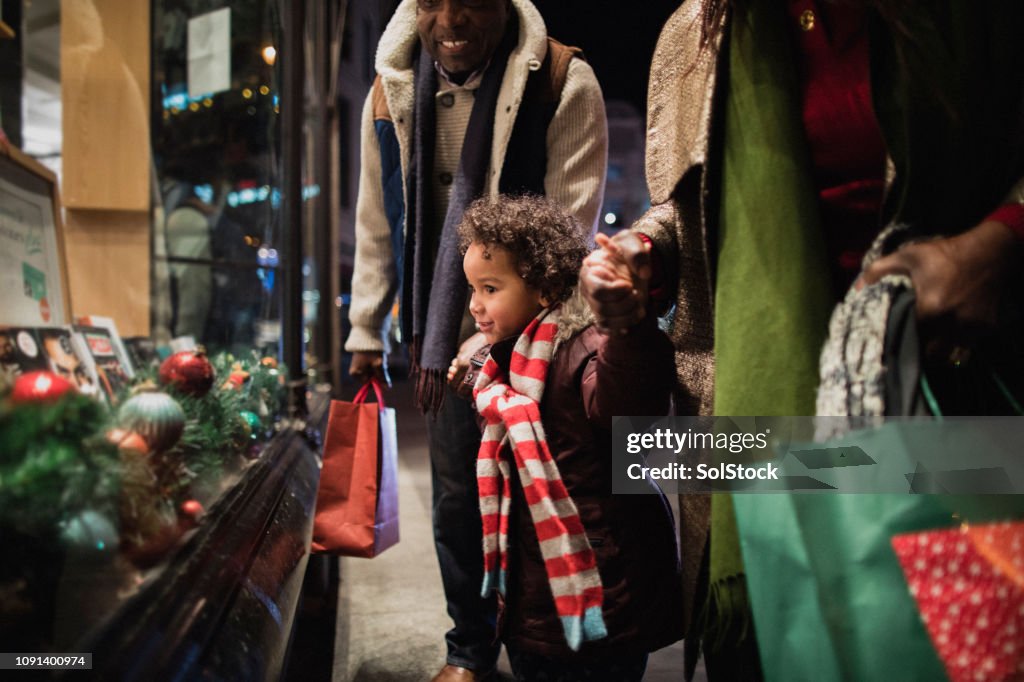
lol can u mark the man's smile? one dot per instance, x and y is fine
(454, 45)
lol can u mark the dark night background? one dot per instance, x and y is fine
(617, 38)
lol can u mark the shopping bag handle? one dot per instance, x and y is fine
(933, 404)
(364, 392)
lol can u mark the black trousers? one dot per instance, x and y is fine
(458, 534)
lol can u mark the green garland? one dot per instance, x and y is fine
(53, 466)
(57, 462)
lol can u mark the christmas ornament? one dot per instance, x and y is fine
(189, 371)
(236, 379)
(269, 362)
(128, 441)
(70, 462)
(144, 386)
(252, 421)
(115, 436)
(191, 514)
(89, 530)
(39, 387)
(192, 509)
(250, 427)
(157, 417)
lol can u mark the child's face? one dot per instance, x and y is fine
(502, 304)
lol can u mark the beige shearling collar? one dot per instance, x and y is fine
(394, 64)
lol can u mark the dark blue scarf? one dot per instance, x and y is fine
(434, 292)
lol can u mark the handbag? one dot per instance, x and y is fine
(357, 502)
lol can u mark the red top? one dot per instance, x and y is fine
(847, 150)
(846, 145)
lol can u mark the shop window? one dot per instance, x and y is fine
(216, 150)
(131, 475)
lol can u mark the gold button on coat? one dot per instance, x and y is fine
(807, 20)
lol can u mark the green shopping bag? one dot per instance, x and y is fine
(829, 598)
(828, 595)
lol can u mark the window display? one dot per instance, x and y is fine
(119, 481)
(216, 151)
(148, 481)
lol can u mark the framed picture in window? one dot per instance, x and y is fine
(33, 269)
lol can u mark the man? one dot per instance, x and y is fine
(471, 99)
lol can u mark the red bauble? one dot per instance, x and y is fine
(191, 514)
(189, 371)
(40, 387)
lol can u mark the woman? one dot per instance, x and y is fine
(781, 138)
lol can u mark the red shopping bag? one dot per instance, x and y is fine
(357, 503)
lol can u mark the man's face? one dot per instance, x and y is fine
(461, 34)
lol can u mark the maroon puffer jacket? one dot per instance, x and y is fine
(591, 379)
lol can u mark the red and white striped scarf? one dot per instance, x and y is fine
(511, 409)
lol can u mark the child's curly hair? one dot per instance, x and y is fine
(546, 242)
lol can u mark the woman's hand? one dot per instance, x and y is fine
(959, 282)
(614, 281)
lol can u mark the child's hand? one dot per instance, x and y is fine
(456, 371)
(460, 363)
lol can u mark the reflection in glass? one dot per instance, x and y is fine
(216, 154)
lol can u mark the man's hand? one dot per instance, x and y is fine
(366, 364)
(460, 363)
(959, 282)
(614, 281)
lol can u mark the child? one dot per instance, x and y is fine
(590, 581)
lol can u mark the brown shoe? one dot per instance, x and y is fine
(454, 673)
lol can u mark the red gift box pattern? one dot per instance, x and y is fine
(969, 586)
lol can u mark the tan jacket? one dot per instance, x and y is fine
(679, 113)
